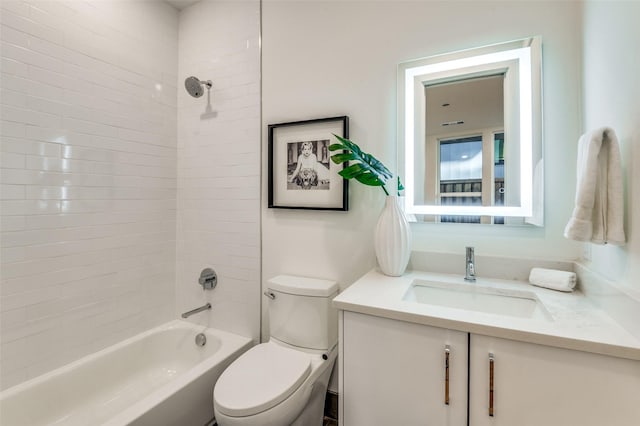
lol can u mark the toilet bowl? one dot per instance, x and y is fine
(272, 385)
(284, 381)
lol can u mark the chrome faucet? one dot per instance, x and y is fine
(196, 310)
(470, 269)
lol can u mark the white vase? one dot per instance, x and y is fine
(392, 239)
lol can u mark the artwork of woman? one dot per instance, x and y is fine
(309, 172)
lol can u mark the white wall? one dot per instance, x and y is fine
(88, 177)
(611, 63)
(325, 58)
(219, 164)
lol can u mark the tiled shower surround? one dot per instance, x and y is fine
(219, 164)
(115, 187)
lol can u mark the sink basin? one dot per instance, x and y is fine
(472, 297)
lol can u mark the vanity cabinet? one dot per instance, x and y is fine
(394, 373)
(536, 385)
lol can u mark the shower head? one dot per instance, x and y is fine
(194, 86)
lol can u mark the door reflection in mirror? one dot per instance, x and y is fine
(465, 118)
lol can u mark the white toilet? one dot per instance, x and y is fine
(284, 381)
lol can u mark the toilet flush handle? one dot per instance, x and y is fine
(270, 294)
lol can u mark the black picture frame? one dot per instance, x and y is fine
(301, 174)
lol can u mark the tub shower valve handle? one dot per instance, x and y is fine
(208, 279)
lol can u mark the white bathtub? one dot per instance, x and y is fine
(160, 378)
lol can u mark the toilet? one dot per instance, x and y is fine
(284, 381)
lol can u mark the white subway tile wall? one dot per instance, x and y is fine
(89, 177)
(219, 164)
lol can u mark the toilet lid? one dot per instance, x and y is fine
(259, 379)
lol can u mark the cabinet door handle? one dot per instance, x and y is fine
(491, 369)
(447, 352)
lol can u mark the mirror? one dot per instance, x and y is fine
(470, 128)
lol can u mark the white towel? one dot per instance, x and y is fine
(553, 279)
(599, 210)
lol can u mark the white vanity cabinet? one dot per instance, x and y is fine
(536, 385)
(394, 373)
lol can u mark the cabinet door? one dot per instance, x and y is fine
(394, 373)
(538, 385)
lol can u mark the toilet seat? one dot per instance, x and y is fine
(261, 378)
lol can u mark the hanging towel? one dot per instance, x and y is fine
(599, 210)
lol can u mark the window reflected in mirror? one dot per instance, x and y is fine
(460, 179)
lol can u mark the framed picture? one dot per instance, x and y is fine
(301, 173)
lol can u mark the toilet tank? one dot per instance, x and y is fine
(301, 313)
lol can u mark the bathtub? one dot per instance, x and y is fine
(159, 377)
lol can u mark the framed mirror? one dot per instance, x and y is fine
(470, 131)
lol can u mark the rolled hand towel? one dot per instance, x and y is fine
(553, 279)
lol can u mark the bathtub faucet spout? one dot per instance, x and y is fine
(196, 310)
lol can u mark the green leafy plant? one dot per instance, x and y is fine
(365, 168)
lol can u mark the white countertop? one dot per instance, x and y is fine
(575, 323)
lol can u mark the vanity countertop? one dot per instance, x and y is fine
(576, 322)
